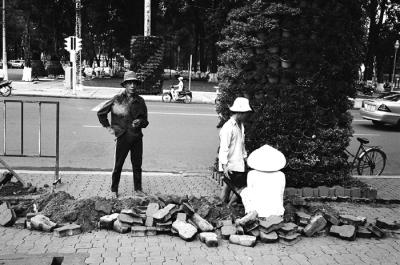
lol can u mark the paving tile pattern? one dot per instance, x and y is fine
(387, 188)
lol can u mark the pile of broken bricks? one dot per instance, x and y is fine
(300, 219)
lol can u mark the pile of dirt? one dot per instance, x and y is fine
(16, 189)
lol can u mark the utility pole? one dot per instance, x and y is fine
(78, 24)
(147, 17)
(5, 67)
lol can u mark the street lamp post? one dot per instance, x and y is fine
(396, 47)
(5, 70)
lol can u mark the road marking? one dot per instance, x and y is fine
(361, 121)
(183, 114)
(92, 126)
(366, 134)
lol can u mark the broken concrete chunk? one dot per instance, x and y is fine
(162, 213)
(221, 223)
(107, 221)
(227, 231)
(331, 218)
(363, 232)
(30, 215)
(268, 238)
(164, 227)
(201, 223)
(209, 238)
(181, 216)
(243, 240)
(347, 232)
(7, 215)
(152, 208)
(138, 231)
(317, 223)
(288, 228)
(20, 223)
(387, 223)
(151, 231)
(120, 227)
(149, 221)
(187, 208)
(130, 220)
(41, 222)
(289, 237)
(248, 218)
(131, 212)
(185, 230)
(271, 223)
(376, 231)
(353, 220)
(255, 232)
(67, 230)
(302, 218)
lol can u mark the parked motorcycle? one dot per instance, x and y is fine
(5, 88)
(183, 96)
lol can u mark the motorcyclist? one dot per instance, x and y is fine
(179, 88)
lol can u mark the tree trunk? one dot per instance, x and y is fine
(26, 42)
(203, 62)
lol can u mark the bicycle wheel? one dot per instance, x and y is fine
(372, 162)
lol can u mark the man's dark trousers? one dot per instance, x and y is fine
(125, 143)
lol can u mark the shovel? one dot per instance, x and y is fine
(231, 186)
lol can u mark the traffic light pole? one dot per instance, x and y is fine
(78, 60)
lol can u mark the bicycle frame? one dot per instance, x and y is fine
(361, 149)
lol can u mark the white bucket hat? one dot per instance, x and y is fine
(241, 105)
(266, 158)
(180, 78)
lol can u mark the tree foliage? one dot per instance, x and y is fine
(298, 77)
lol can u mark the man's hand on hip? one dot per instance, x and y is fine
(110, 130)
(226, 171)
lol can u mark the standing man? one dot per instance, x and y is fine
(128, 117)
(232, 152)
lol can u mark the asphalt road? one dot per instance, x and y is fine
(180, 138)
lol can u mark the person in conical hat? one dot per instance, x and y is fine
(265, 183)
(232, 152)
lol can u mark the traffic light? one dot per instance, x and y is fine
(78, 46)
(68, 44)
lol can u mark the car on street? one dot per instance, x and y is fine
(382, 110)
(16, 63)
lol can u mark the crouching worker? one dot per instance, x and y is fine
(128, 117)
(232, 153)
(265, 183)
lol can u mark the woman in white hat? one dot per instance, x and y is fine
(179, 88)
(265, 183)
(232, 152)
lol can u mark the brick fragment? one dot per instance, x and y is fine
(149, 221)
(302, 218)
(67, 230)
(151, 231)
(152, 208)
(30, 215)
(131, 212)
(289, 237)
(129, 220)
(353, 220)
(138, 231)
(331, 218)
(288, 228)
(268, 238)
(162, 213)
(243, 240)
(363, 232)
(7, 215)
(248, 218)
(239, 230)
(209, 238)
(20, 223)
(298, 201)
(221, 223)
(255, 232)
(271, 223)
(317, 223)
(120, 227)
(164, 227)
(376, 231)
(201, 223)
(227, 231)
(185, 230)
(41, 222)
(347, 232)
(181, 216)
(107, 221)
(187, 208)
(387, 223)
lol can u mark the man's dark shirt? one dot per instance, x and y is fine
(124, 110)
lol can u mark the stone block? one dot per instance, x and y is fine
(347, 232)
(120, 227)
(20, 223)
(331, 218)
(308, 192)
(376, 231)
(149, 221)
(302, 218)
(288, 228)
(201, 223)
(152, 208)
(129, 220)
(222, 223)
(7, 215)
(185, 230)
(363, 232)
(131, 212)
(316, 192)
(339, 191)
(387, 223)
(103, 206)
(30, 215)
(151, 231)
(42, 223)
(164, 227)
(209, 238)
(355, 193)
(353, 220)
(347, 192)
(323, 191)
(107, 221)
(67, 230)
(317, 223)
(181, 216)
(138, 231)
(187, 208)
(162, 213)
(248, 218)
(271, 223)
(332, 192)
(227, 231)
(298, 201)
(291, 192)
(289, 237)
(243, 240)
(371, 193)
(268, 238)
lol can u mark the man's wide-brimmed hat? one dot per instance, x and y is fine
(266, 158)
(129, 77)
(241, 105)
(180, 78)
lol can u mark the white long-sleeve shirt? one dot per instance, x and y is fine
(232, 150)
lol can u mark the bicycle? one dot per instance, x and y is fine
(371, 160)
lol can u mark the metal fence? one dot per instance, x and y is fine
(39, 154)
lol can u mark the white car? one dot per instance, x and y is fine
(383, 110)
(16, 63)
